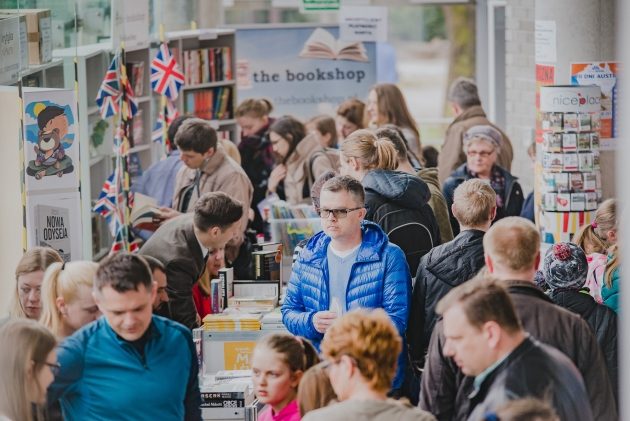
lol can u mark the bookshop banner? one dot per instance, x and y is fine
(304, 71)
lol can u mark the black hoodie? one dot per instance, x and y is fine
(442, 269)
(398, 203)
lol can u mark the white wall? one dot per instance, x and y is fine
(10, 205)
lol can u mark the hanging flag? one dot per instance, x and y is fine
(166, 77)
(109, 92)
(106, 202)
(171, 112)
(157, 135)
(129, 103)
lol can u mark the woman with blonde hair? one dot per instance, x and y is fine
(386, 105)
(67, 297)
(28, 276)
(397, 201)
(596, 239)
(28, 363)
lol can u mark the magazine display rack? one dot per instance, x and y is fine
(570, 180)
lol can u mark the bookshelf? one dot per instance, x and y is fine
(49, 75)
(207, 58)
(97, 155)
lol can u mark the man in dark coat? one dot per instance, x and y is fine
(487, 341)
(565, 270)
(450, 264)
(512, 254)
(184, 243)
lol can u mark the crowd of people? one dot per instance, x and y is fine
(425, 296)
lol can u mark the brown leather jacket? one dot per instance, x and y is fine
(221, 173)
(445, 390)
(452, 155)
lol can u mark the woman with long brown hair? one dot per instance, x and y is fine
(386, 105)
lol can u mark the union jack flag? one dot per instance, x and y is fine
(106, 203)
(157, 135)
(166, 77)
(109, 93)
(171, 112)
(129, 105)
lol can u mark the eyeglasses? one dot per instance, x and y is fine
(481, 154)
(336, 213)
(54, 367)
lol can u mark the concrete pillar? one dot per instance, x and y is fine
(585, 31)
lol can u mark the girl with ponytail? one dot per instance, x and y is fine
(278, 363)
(396, 201)
(597, 240)
(67, 297)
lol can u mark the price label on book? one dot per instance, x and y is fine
(320, 5)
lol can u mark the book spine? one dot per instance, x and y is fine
(258, 265)
(224, 288)
(208, 396)
(228, 65)
(223, 403)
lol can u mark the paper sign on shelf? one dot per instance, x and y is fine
(545, 41)
(9, 50)
(360, 23)
(131, 24)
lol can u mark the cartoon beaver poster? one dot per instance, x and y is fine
(50, 153)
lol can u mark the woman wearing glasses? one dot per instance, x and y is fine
(361, 350)
(27, 302)
(481, 146)
(28, 363)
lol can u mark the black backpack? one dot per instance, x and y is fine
(415, 231)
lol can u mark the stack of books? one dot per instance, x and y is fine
(273, 320)
(232, 322)
(253, 304)
(220, 396)
(282, 210)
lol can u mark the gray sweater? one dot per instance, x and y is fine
(356, 410)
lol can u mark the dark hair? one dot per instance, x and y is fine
(196, 135)
(316, 189)
(173, 127)
(396, 136)
(463, 92)
(298, 353)
(392, 105)
(353, 110)
(290, 129)
(216, 209)
(154, 263)
(430, 155)
(483, 299)
(325, 124)
(346, 183)
(123, 272)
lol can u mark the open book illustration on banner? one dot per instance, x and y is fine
(322, 44)
(50, 137)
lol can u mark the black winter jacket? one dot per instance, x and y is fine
(533, 370)
(602, 320)
(512, 200)
(440, 270)
(398, 203)
(445, 390)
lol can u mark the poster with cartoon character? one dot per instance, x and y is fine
(51, 148)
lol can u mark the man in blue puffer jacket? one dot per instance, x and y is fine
(351, 264)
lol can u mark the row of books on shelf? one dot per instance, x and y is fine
(207, 65)
(210, 104)
(227, 389)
